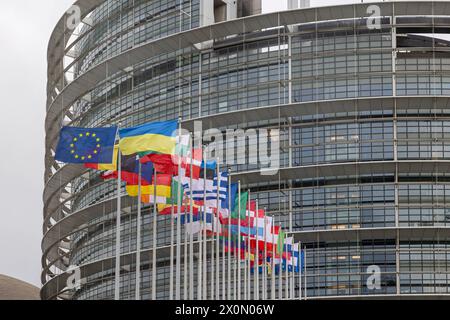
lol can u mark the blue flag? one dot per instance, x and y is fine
(209, 164)
(86, 145)
(230, 194)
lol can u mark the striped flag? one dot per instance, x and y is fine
(209, 222)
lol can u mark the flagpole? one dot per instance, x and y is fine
(219, 180)
(235, 268)
(172, 236)
(229, 236)
(200, 253)
(300, 262)
(280, 274)
(178, 249)
(155, 214)
(191, 236)
(265, 258)
(118, 226)
(286, 276)
(292, 285)
(185, 246)
(185, 263)
(200, 256)
(305, 285)
(239, 245)
(205, 242)
(224, 286)
(213, 278)
(245, 271)
(138, 233)
(235, 253)
(299, 246)
(235, 248)
(272, 278)
(256, 264)
(248, 260)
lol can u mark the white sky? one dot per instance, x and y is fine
(25, 28)
(276, 5)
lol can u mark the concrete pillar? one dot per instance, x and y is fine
(231, 9)
(206, 12)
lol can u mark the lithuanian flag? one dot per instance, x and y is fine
(163, 190)
(158, 137)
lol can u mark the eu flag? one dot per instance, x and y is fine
(86, 145)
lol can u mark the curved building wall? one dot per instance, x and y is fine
(365, 139)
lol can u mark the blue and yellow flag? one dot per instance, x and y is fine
(158, 137)
(86, 145)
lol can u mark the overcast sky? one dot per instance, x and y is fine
(25, 28)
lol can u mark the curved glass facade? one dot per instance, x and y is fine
(366, 143)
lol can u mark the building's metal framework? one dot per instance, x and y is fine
(402, 242)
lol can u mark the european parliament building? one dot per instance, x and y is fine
(360, 93)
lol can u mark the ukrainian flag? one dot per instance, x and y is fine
(158, 137)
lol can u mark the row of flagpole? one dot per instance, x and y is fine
(215, 280)
(232, 264)
(202, 276)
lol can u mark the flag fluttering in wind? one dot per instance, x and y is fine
(106, 166)
(163, 163)
(203, 221)
(242, 204)
(190, 189)
(168, 164)
(86, 145)
(163, 188)
(155, 137)
(130, 172)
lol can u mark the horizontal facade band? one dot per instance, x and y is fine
(304, 172)
(73, 223)
(310, 108)
(70, 225)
